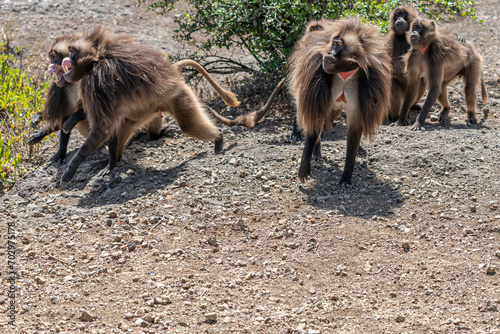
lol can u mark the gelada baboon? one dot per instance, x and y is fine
(443, 57)
(397, 44)
(61, 102)
(125, 84)
(339, 65)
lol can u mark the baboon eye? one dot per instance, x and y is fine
(52, 54)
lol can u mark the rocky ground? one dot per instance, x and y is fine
(179, 240)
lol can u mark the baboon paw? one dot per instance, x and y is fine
(471, 120)
(58, 157)
(219, 145)
(417, 126)
(35, 120)
(66, 177)
(346, 181)
(35, 138)
(399, 123)
(362, 152)
(304, 174)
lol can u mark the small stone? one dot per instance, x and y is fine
(25, 240)
(54, 299)
(116, 255)
(85, 316)
(40, 280)
(400, 318)
(112, 214)
(259, 174)
(497, 254)
(211, 317)
(38, 214)
(491, 307)
(141, 322)
(131, 246)
(212, 241)
(406, 246)
(128, 315)
(163, 300)
(490, 270)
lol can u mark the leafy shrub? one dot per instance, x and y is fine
(268, 29)
(20, 97)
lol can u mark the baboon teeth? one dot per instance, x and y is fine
(66, 65)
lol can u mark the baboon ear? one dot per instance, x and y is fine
(433, 26)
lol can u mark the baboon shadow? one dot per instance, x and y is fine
(121, 186)
(368, 196)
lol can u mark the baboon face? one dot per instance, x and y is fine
(346, 51)
(421, 33)
(82, 56)
(400, 21)
(57, 53)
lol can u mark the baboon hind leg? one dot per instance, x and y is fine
(194, 122)
(471, 80)
(445, 104)
(310, 144)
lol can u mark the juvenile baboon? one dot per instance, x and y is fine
(339, 65)
(397, 44)
(60, 102)
(443, 57)
(125, 84)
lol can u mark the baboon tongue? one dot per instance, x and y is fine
(55, 72)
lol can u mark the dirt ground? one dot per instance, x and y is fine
(179, 240)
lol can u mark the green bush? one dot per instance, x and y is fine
(20, 97)
(268, 29)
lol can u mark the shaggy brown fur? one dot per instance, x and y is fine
(327, 50)
(443, 57)
(125, 84)
(400, 22)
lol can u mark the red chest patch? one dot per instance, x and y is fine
(422, 51)
(344, 76)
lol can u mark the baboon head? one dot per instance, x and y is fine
(349, 48)
(422, 33)
(84, 53)
(401, 19)
(58, 51)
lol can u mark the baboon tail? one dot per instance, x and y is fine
(227, 96)
(484, 93)
(254, 117)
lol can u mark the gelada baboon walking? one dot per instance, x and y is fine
(63, 109)
(339, 65)
(397, 44)
(125, 84)
(443, 57)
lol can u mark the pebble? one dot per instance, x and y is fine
(141, 322)
(116, 255)
(85, 316)
(40, 280)
(490, 270)
(211, 317)
(400, 318)
(131, 246)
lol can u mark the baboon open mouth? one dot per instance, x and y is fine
(66, 65)
(55, 71)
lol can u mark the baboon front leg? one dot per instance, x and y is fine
(63, 147)
(432, 96)
(305, 163)
(73, 120)
(38, 135)
(445, 105)
(353, 140)
(96, 138)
